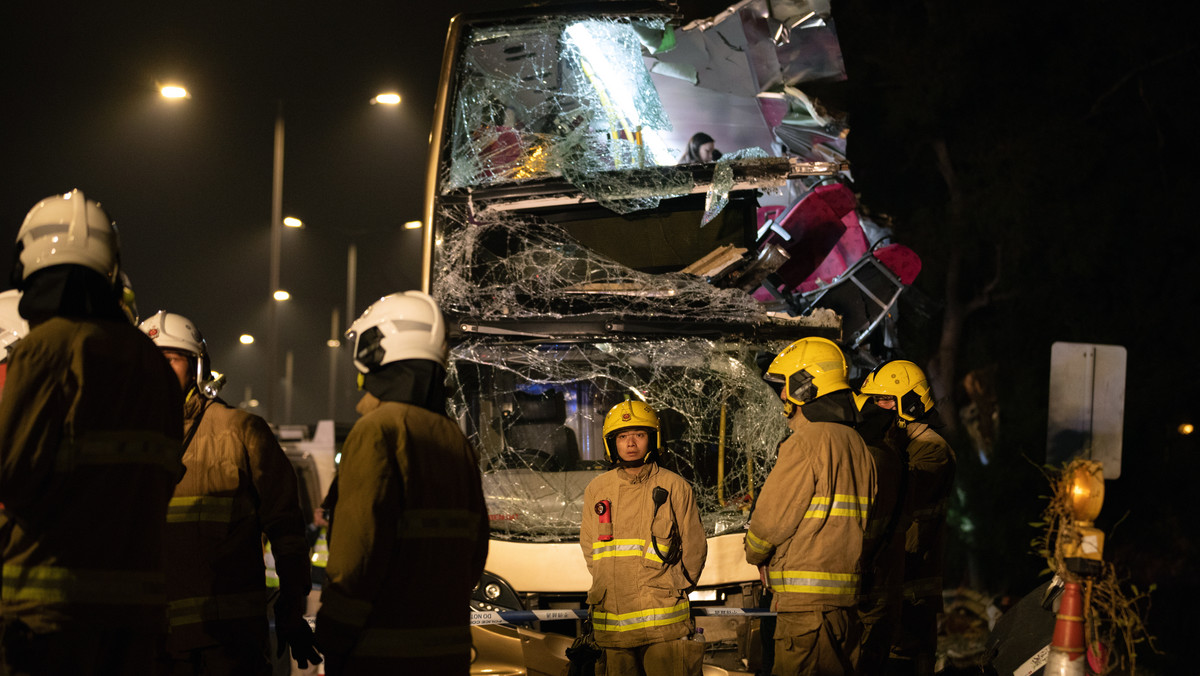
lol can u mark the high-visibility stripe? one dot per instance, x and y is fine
(120, 448)
(202, 508)
(629, 547)
(341, 608)
(220, 607)
(813, 582)
(320, 552)
(57, 584)
(757, 544)
(416, 642)
(438, 524)
(269, 565)
(652, 617)
(652, 555)
(625, 547)
(840, 505)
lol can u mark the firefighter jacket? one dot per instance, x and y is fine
(407, 545)
(638, 594)
(238, 485)
(90, 429)
(810, 518)
(887, 525)
(931, 464)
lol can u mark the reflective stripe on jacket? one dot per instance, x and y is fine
(239, 485)
(810, 518)
(90, 428)
(408, 544)
(635, 598)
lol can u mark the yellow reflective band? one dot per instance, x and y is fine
(757, 544)
(200, 508)
(56, 584)
(813, 582)
(422, 642)
(653, 617)
(652, 555)
(611, 548)
(438, 524)
(220, 607)
(120, 448)
(841, 505)
(341, 608)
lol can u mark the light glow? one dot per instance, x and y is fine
(1186, 429)
(386, 99)
(282, 295)
(293, 222)
(246, 339)
(412, 225)
(173, 92)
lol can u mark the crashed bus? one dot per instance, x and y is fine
(578, 265)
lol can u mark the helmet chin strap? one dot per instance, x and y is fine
(788, 408)
(633, 464)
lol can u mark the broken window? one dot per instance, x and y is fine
(578, 266)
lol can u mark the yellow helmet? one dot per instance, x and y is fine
(625, 415)
(906, 382)
(807, 369)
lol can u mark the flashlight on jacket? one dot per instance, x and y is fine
(604, 513)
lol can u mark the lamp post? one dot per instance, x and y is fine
(175, 91)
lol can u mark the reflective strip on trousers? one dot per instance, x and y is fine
(200, 508)
(757, 544)
(320, 552)
(121, 448)
(220, 607)
(841, 505)
(641, 619)
(422, 642)
(56, 584)
(813, 582)
(269, 564)
(438, 524)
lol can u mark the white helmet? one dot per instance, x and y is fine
(170, 331)
(65, 229)
(13, 326)
(396, 327)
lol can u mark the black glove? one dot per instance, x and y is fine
(293, 632)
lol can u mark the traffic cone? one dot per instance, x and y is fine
(1066, 648)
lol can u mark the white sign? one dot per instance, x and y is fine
(1087, 405)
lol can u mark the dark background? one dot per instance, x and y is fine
(1041, 159)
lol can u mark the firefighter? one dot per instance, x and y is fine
(901, 387)
(645, 548)
(238, 486)
(410, 535)
(883, 549)
(13, 327)
(90, 428)
(808, 525)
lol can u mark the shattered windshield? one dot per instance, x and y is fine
(537, 411)
(580, 261)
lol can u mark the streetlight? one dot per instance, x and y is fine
(174, 91)
(171, 91)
